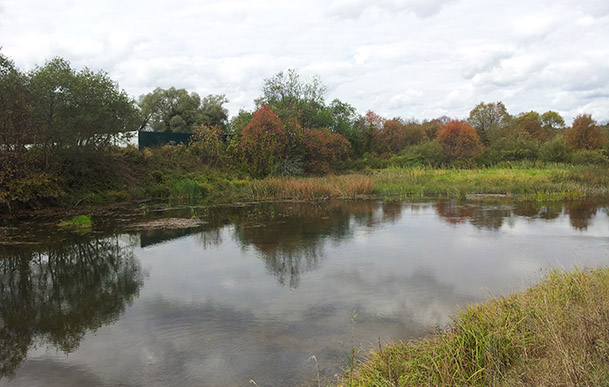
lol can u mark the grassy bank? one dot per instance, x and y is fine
(545, 182)
(556, 333)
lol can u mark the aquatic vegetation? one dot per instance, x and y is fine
(80, 223)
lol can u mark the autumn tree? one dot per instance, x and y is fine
(323, 150)
(488, 118)
(459, 140)
(530, 125)
(263, 142)
(584, 134)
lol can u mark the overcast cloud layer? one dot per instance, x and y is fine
(408, 58)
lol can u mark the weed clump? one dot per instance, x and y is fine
(80, 223)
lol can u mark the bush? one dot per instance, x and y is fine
(206, 142)
(263, 142)
(554, 150)
(459, 141)
(597, 157)
(518, 148)
(428, 153)
(323, 150)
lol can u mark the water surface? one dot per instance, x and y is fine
(258, 290)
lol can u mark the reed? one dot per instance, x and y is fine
(313, 188)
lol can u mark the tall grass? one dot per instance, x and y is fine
(556, 333)
(313, 188)
(549, 182)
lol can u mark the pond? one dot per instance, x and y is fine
(253, 292)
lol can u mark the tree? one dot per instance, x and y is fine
(459, 140)
(292, 98)
(213, 113)
(263, 142)
(486, 118)
(552, 121)
(530, 124)
(238, 122)
(583, 134)
(173, 110)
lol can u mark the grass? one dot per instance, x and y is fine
(312, 188)
(555, 333)
(80, 223)
(548, 182)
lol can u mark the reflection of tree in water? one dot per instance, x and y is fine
(56, 296)
(454, 212)
(483, 217)
(290, 237)
(490, 218)
(581, 213)
(392, 211)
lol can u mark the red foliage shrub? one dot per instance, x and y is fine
(323, 149)
(263, 142)
(459, 140)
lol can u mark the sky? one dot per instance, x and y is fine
(417, 59)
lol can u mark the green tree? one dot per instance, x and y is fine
(83, 108)
(213, 113)
(238, 122)
(291, 98)
(552, 122)
(172, 110)
(488, 118)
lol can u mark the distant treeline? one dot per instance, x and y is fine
(58, 126)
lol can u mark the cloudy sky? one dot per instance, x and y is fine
(408, 58)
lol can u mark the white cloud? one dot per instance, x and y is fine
(546, 55)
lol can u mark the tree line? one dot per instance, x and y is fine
(58, 126)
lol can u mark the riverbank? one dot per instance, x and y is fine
(207, 186)
(555, 333)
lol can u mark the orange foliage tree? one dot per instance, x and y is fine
(459, 140)
(584, 134)
(263, 142)
(324, 149)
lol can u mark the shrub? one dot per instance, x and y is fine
(262, 142)
(522, 147)
(429, 153)
(459, 140)
(597, 157)
(323, 150)
(207, 143)
(554, 150)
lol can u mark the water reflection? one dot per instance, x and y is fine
(492, 216)
(257, 290)
(56, 295)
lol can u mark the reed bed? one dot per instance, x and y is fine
(314, 188)
(555, 333)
